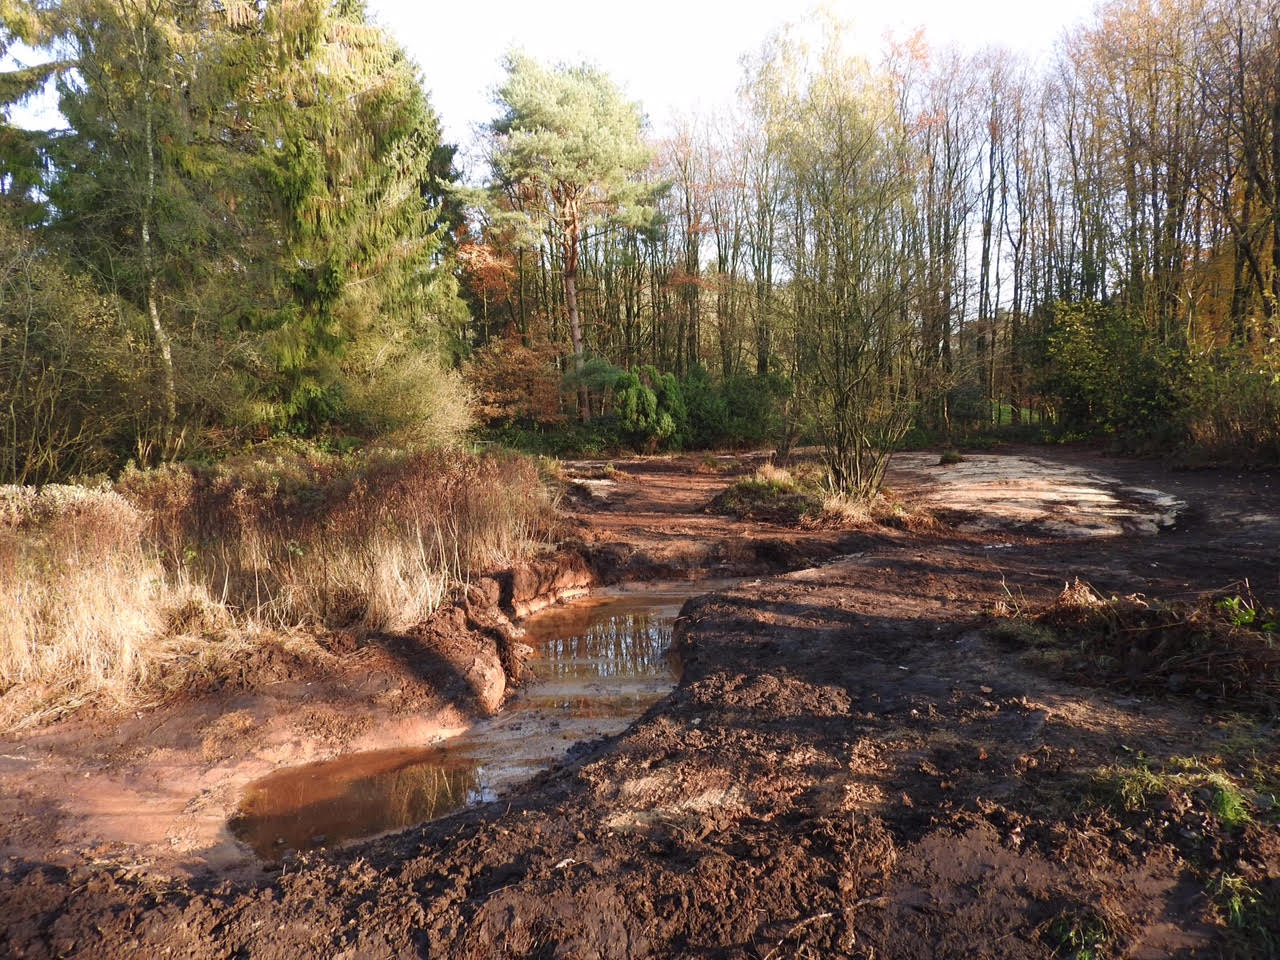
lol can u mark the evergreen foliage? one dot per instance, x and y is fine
(255, 189)
(651, 409)
(249, 228)
(567, 159)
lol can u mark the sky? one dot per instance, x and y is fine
(675, 56)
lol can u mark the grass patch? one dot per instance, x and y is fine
(1180, 784)
(1196, 799)
(1080, 936)
(1249, 912)
(797, 497)
(771, 495)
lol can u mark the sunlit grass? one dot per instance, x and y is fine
(168, 578)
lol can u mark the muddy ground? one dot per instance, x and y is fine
(853, 764)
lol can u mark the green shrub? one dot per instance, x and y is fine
(650, 408)
(593, 440)
(71, 386)
(755, 407)
(708, 411)
(1231, 408)
(1104, 373)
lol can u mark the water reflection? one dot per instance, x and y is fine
(611, 645)
(598, 664)
(354, 796)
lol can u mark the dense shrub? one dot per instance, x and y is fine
(745, 410)
(755, 407)
(708, 411)
(650, 408)
(593, 440)
(1231, 408)
(70, 384)
(1103, 373)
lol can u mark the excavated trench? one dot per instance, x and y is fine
(597, 664)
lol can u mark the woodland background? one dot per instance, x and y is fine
(249, 229)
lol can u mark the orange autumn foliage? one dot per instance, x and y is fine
(515, 378)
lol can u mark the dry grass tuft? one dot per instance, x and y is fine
(174, 579)
(844, 511)
(377, 544)
(773, 475)
(771, 495)
(80, 597)
(1222, 649)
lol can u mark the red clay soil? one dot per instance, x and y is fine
(850, 766)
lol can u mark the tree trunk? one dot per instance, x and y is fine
(1272, 307)
(163, 342)
(575, 330)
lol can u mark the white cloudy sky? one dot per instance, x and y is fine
(674, 56)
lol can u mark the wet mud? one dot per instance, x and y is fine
(849, 765)
(594, 666)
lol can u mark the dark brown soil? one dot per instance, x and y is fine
(850, 766)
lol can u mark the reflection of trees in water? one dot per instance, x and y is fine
(366, 794)
(298, 812)
(420, 793)
(623, 645)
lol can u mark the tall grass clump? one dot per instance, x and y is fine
(375, 541)
(114, 590)
(81, 597)
(772, 494)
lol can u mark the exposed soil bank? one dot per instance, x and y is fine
(849, 767)
(155, 789)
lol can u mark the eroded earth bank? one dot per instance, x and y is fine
(877, 754)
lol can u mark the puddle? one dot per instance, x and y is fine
(598, 664)
(355, 796)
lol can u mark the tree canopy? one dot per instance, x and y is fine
(567, 157)
(256, 189)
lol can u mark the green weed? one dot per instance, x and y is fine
(1246, 612)
(1080, 936)
(1136, 786)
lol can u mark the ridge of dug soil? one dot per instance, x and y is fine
(849, 767)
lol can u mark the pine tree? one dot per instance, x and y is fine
(257, 185)
(568, 153)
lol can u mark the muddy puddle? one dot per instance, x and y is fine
(598, 664)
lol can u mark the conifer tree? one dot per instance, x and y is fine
(568, 154)
(256, 183)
